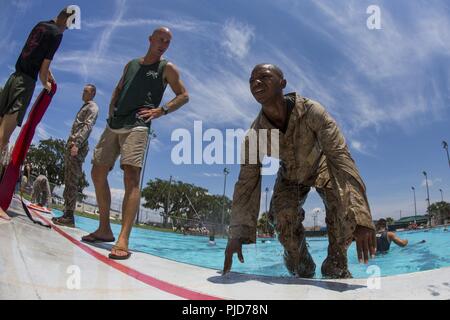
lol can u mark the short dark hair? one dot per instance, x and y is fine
(271, 66)
(94, 88)
(381, 223)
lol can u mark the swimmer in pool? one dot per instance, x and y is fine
(385, 237)
(212, 241)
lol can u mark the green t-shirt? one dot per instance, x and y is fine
(143, 87)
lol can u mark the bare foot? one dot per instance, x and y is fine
(4, 215)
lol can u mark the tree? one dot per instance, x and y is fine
(440, 211)
(183, 201)
(48, 157)
(389, 220)
(212, 211)
(264, 226)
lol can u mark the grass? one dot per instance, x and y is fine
(114, 221)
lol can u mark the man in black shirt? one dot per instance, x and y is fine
(33, 62)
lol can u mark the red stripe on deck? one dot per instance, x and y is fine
(151, 281)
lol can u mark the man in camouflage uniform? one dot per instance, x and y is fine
(41, 192)
(77, 150)
(313, 154)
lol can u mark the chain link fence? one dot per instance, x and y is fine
(87, 206)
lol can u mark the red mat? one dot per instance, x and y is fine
(9, 180)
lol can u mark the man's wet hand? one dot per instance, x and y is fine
(233, 246)
(366, 243)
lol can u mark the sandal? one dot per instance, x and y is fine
(116, 257)
(91, 238)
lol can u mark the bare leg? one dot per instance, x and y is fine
(130, 206)
(7, 125)
(99, 176)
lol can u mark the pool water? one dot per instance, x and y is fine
(267, 258)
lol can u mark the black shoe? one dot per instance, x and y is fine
(64, 221)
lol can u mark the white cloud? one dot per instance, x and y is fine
(97, 61)
(41, 133)
(180, 25)
(155, 145)
(22, 5)
(237, 38)
(356, 145)
(220, 98)
(386, 65)
(431, 182)
(212, 175)
(360, 147)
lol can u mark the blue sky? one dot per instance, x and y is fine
(387, 88)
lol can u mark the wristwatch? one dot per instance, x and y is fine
(165, 109)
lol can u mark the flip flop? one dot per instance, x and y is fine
(91, 238)
(116, 257)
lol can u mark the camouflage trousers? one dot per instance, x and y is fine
(40, 194)
(73, 172)
(287, 215)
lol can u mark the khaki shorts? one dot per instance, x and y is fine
(16, 95)
(130, 146)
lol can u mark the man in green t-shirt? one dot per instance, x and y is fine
(134, 104)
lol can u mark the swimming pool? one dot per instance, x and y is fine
(267, 258)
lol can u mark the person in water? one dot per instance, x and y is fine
(385, 237)
(212, 238)
(313, 154)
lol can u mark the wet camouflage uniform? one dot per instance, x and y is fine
(41, 192)
(313, 153)
(81, 129)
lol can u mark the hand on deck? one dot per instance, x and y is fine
(233, 246)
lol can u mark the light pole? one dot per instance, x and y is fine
(315, 214)
(142, 181)
(442, 195)
(225, 173)
(428, 197)
(267, 213)
(166, 218)
(415, 205)
(445, 146)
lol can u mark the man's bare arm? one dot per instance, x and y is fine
(172, 76)
(116, 92)
(400, 242)
(45, 74)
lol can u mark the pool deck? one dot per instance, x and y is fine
(40, 263)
